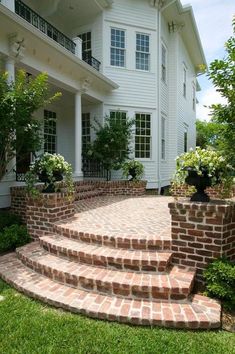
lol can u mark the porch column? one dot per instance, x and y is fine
(10, 68)
(78, 136)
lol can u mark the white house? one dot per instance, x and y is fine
(139, 57)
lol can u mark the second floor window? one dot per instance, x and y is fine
(184, 82)
(194, 97)
(142, 52)
(163, 69)
(117, 54)
(50, 132)
(86, 45)
(163, 138)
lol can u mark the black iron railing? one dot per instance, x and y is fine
(91, 61)
(20, 177)
(94, 169)
(40, 23)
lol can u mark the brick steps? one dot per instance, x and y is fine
(175, 285)
(137, 260)
(87, 191)
(197, 313)
(131, 242)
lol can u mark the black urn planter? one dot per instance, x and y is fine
(132, 173)
(200, 183)
(50, 186)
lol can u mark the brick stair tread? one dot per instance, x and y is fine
(140, 260)
(198, 313)
(177, 284)
(135, 242)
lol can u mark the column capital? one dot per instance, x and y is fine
(16, 46)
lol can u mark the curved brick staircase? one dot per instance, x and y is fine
(125, 279)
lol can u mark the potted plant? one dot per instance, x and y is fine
(202, 168)
(133, 168)
(49, 169)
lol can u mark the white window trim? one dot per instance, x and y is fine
(166, 61)
(194, 101)
(185, 74)
(139, 51)
(124, 49)
(151, 140)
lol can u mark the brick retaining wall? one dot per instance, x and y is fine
(202, 232)
(45, 210)
(184, 190)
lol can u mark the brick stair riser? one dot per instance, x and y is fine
(136, 265)
(115, 242)
(87, 195)
(111, 288)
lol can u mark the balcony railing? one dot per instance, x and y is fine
(91, 61)
(40, 23)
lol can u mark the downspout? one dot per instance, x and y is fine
(161, 8)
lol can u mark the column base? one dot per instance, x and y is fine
(78, 176)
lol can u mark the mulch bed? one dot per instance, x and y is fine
(228, 321)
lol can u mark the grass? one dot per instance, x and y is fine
(28, 327)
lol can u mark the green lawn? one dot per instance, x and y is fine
(28, 327)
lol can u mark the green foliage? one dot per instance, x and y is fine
(7, 219)
(20, 133)
(12, 237)
(49, 164)
(208, 134)
(220, 281)
(133, 168)
(222, 75)
(204, 162)
(112, 144)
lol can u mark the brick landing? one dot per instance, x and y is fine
(113, 261)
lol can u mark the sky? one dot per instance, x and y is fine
(214, 21)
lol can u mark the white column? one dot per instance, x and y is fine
(10, 68)
(10, 4)
(78, 50)
(78, 136)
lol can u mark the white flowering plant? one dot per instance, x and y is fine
(206, 163)
(50, 166)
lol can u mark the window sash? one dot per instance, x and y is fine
(118, 44)
(163, 138)
(142, 52)
(163, 63)
(143, 139)
(86, 130)
(50, 132)
(185, 83)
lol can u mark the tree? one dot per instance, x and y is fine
(112, 144)
(222, 74)
(207, 134)
(20, 133)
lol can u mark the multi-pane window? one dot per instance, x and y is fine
(163, 138)
(117, 54)
(194, 97)
(142, 135)
(142, 52)
(184, 82)
(86, 45)
(86, 131)
(49, 132)
(118, 115)
(185, 139)
(164, 61)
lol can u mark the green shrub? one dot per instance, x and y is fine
(8, 219)
(12, 237)
(220, 281)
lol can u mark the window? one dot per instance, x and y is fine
(142, 135)
(184, 82)
(49, 132)
(118, 115)
(86, 45)
(86, 130)
(117, 47)
(163, 138)
(185, 139)
(164, 59)
(142, 52)
(194, 97)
